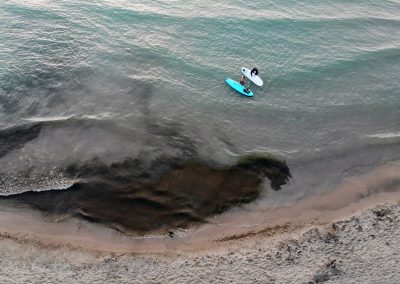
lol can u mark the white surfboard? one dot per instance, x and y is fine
(255, 79)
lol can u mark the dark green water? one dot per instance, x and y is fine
(115, 80)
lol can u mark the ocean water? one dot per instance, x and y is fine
(113, 80)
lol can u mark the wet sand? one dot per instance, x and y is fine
(349, 235)
(363, 248)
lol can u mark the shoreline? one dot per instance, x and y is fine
(361, 248)
(353, 195)
(92, 238)
(351, 235)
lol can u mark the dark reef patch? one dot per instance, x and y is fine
(15, 137)
(169, 193)
(267, 165)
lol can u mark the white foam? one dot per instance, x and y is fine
(50, 118)
(385, 135)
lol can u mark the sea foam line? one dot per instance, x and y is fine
(385, 135)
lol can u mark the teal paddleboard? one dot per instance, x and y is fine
(239, 88)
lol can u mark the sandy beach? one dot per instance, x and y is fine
(359, 245)
(363, 248)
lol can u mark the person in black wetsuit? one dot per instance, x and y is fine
(254, 72)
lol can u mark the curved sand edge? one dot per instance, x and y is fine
(362, 248)
(347, 235)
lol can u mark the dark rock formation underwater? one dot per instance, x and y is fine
(169, 193)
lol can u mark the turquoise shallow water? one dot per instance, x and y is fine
(117, 79)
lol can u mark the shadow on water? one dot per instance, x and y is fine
(15, 137)
(167, 194)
